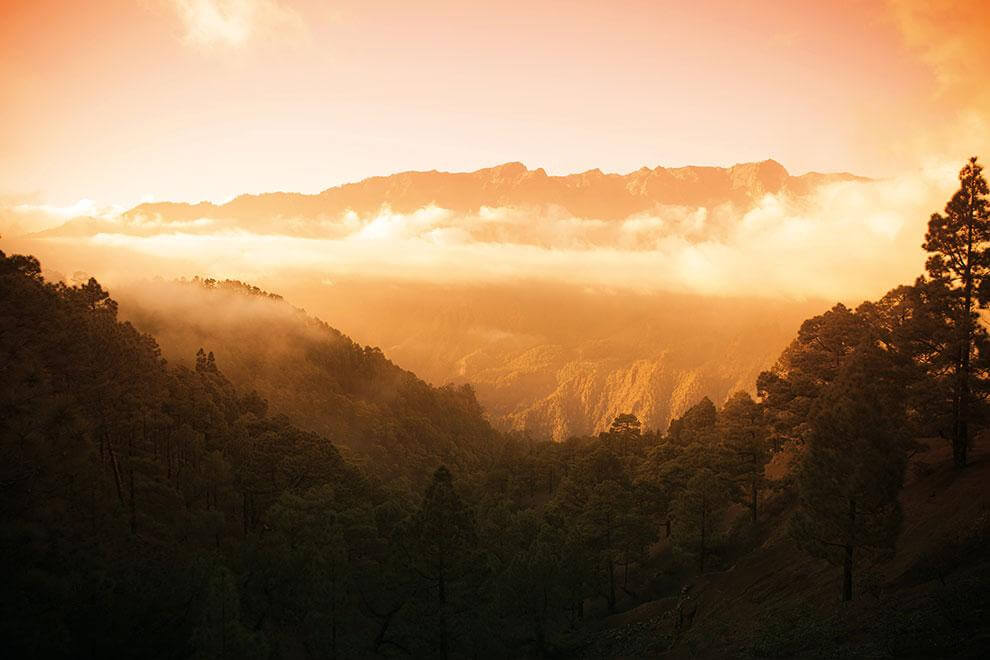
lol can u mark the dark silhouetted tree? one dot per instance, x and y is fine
(851, 475)
(810, 363)
(624, 430)
(699, 418)
(744, 438)
(444, 552)
(698, 510)
(959, 242)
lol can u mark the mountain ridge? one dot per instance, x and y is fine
(588, 194)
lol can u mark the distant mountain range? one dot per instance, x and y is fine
(591, 194)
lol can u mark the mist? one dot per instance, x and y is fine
(845, 240)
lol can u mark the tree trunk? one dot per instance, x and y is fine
(754, 501)
(130, 472)
(244, 511)
(960, 435)
(540, 625)
(701, 554)
(441, 586)
(333, 610)
(847, 562)
(960, 430)
(116, 476)
(847, 575)
(611, 585)
(442, 595)
(223, 620)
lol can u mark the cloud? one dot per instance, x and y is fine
(846, 240)
(388, 225)
(235, 22)
(82, 207)
(953, 40)
(24, 215)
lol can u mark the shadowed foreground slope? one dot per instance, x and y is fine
(930, 599)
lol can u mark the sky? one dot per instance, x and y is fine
(115, 101)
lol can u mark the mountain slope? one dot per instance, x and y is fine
(928, 600)
(311, 372)
(403, 262)
(559, 361)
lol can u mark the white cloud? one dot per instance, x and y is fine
(24, 216)
(389, 225)
(83, 207)
(849, 241)
(235, 22)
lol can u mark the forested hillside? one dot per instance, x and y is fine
(317, 376)
(556, 376)
(124, 481)
(154, 510)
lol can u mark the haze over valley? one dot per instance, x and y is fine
(562, 300)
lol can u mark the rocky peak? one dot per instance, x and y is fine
(767, 176)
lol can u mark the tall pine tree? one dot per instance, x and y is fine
(960, 263)
(851, 475)
(744, 438)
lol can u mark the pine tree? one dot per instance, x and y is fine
(698, 511)
(698, 419)
(744, 438)
(444, 547)
(853, 470)
(219, 633)
(812, 361)
(625, 429)
(960, 262)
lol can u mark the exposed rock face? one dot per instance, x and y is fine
(559, 361)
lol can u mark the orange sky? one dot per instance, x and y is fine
(116, 100)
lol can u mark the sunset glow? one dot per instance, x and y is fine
(116, 100)
(494, 329)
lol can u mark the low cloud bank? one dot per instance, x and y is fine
(846, 240)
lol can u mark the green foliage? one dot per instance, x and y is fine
(851, 475)
(219, 632)
(958, 268)
(698, 419)
(698, 515)
(812, 361)
(375, 412)
(744, 437)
